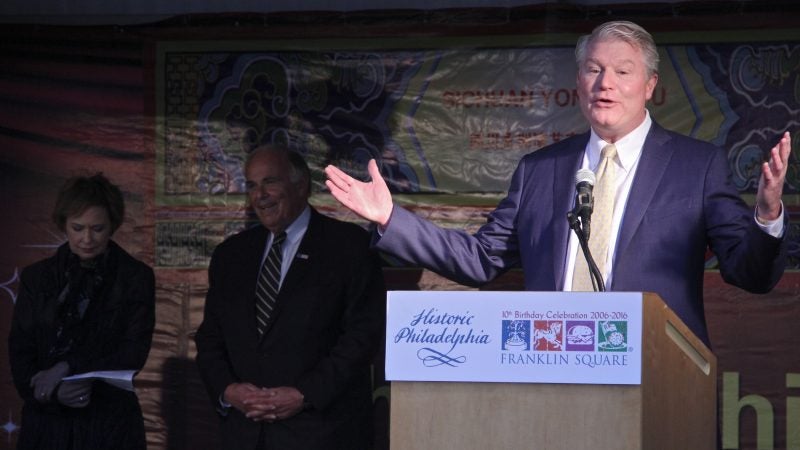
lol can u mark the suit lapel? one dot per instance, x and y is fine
(652, 167)
(567, 163)
(304, 257)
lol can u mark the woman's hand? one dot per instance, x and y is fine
(75, 394)
(46, 381)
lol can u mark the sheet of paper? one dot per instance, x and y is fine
(122, 379)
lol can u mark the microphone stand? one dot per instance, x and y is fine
(575, 225)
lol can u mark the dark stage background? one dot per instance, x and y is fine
(446, 100)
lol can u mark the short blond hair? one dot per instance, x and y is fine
(621, 30)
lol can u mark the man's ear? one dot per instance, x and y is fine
(651, 85)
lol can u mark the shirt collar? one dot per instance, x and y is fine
(296, 229)
(629, 148)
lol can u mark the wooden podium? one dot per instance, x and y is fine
(674, 407)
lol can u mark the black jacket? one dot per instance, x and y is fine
(328, 325)
(120, 321)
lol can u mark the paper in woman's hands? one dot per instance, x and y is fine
(122, 379)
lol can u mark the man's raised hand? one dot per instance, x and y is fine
(371, 200)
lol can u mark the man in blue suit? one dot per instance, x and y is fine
(672, 199)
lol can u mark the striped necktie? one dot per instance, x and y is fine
(604, 193)
(269, 280)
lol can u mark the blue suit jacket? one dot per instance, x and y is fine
(681, 202)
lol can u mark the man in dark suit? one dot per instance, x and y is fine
(291, 371)
(672, 198)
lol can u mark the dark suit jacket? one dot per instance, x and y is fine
(119, 323)
(681, 201)
(328, 325)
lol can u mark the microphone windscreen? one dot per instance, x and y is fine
(585, 176)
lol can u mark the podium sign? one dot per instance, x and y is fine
(553, 370)
(529, 337)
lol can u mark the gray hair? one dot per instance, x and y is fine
(625, 31)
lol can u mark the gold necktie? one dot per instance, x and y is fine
(604, 193)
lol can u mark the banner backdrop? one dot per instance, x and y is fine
(447, 119)
(448, 125)
(450, 121)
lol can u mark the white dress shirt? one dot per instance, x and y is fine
(629, 151)
(294, 234)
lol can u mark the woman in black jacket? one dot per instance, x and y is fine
(90, 307)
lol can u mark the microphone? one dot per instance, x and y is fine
(579, 218)
(584, 200)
